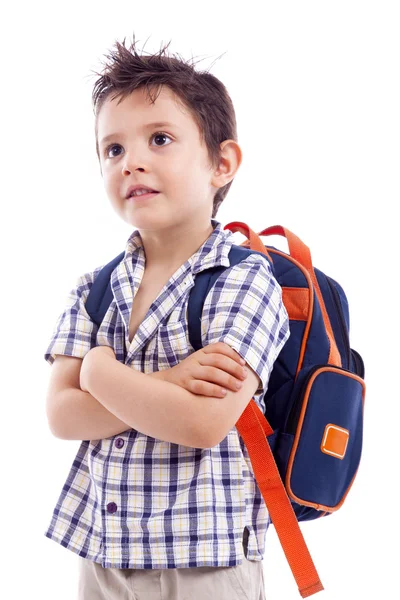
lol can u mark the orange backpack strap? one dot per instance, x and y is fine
(253, 428)
(253, 240)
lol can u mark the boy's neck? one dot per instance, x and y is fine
(173, 251)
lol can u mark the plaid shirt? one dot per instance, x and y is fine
(133, 501)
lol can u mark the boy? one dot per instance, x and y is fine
(161, 501)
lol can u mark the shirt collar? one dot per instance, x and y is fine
(213, 252)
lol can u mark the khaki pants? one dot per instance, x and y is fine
(242, 582)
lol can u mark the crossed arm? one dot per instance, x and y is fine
(155, 407)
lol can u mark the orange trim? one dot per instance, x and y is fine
(297, 303)
(291, 494)
(310, 310)
(334, 355)
(300, 252)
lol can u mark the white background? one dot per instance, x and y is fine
(316, 90)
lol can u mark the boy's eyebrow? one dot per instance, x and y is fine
(147, 126)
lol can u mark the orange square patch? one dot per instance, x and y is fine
(335, 440)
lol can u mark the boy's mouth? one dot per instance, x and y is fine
(136, 198)
(139, 188)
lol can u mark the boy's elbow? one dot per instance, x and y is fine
(57, 418)
(207, 438)
(54, 423)
(55, 432)
(203, 441)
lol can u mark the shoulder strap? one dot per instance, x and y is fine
(203, 283)
(100, 295)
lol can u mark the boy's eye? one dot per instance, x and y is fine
(109, 148)
(161, 134)
(158, 134)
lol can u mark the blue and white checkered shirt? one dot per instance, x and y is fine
(133, 501)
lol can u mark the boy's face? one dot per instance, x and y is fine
(174, 162)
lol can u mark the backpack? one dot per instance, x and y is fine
(314, 404)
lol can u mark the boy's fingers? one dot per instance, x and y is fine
(232, 352)
(238, 357)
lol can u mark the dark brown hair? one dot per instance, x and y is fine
(202, 93)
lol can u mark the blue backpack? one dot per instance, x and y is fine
(313, 420)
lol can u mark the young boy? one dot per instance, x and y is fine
(161, 501)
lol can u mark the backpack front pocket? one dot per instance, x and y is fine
(326, 423)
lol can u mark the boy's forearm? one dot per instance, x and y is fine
(157, 408)
(83, 417)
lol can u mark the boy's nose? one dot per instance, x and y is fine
(132, 161)
(129, 168)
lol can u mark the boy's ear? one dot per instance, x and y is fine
(230, 161)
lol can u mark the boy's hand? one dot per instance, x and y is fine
(208, 371)
(89, 356)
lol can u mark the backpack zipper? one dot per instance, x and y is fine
(359, 363)
(293, 418)
(343, 328)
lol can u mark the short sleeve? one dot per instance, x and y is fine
(244, 309)
(74, 333)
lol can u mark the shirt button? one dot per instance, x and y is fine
(119, 442)
(111, 507)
